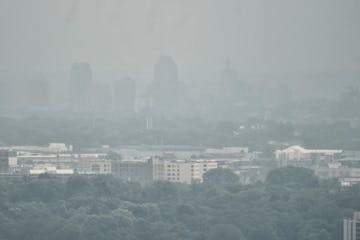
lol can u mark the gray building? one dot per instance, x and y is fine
(352, 227)
(138, 171)
(80, 86)
(229, 84)
(4, 161)
(165, 86)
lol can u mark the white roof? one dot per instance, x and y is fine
(300, 149)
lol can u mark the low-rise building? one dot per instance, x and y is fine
(227, 152)
(133, 170)
(299, 156)
(88, 165)
(182, 171)
(50, 169)
(336, 170)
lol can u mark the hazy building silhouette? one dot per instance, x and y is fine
(80, 86)
(124, 93)
(4, 161)
(38, 91)
(164, 88)
(229, 84)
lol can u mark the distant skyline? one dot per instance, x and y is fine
(128, 36)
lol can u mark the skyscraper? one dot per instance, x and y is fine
(124, 92)
(229, 84)
(164, 88)
(80, 86)
(352, 227)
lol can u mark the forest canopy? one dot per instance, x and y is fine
(290, 204)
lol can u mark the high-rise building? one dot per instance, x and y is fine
(352, 227)
(164, 88)
(4, 161)
(228, 75)
(229, 84)
(80, 86)
(124, 93)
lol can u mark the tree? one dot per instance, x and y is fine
(301, 177)
(226, 232)
(113, 156)
(220, 176)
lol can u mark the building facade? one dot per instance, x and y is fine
(80, 86)
(165, 87)
(351, 227)
(182, 171)
(90, 165)
(4, 161)
(134, 170)
(299, 156)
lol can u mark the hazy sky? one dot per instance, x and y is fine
(129, 35)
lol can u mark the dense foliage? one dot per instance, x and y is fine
(253, 133)
(291, 204)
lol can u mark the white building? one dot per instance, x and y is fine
(41, 169)
(181, 170)
(227, 151)
(51, 148)
(298, 153)
(59, 147)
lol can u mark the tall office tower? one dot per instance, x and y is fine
(4, 161)
(80, 87)
(352, 227)
(164, 88)
(229, 84)
(38, 93)
(124, 92)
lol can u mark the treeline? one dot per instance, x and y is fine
(253, 133)
(290, 204)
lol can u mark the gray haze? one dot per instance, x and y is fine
(128, 36)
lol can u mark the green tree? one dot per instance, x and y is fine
(220, 176)
(226, 232)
